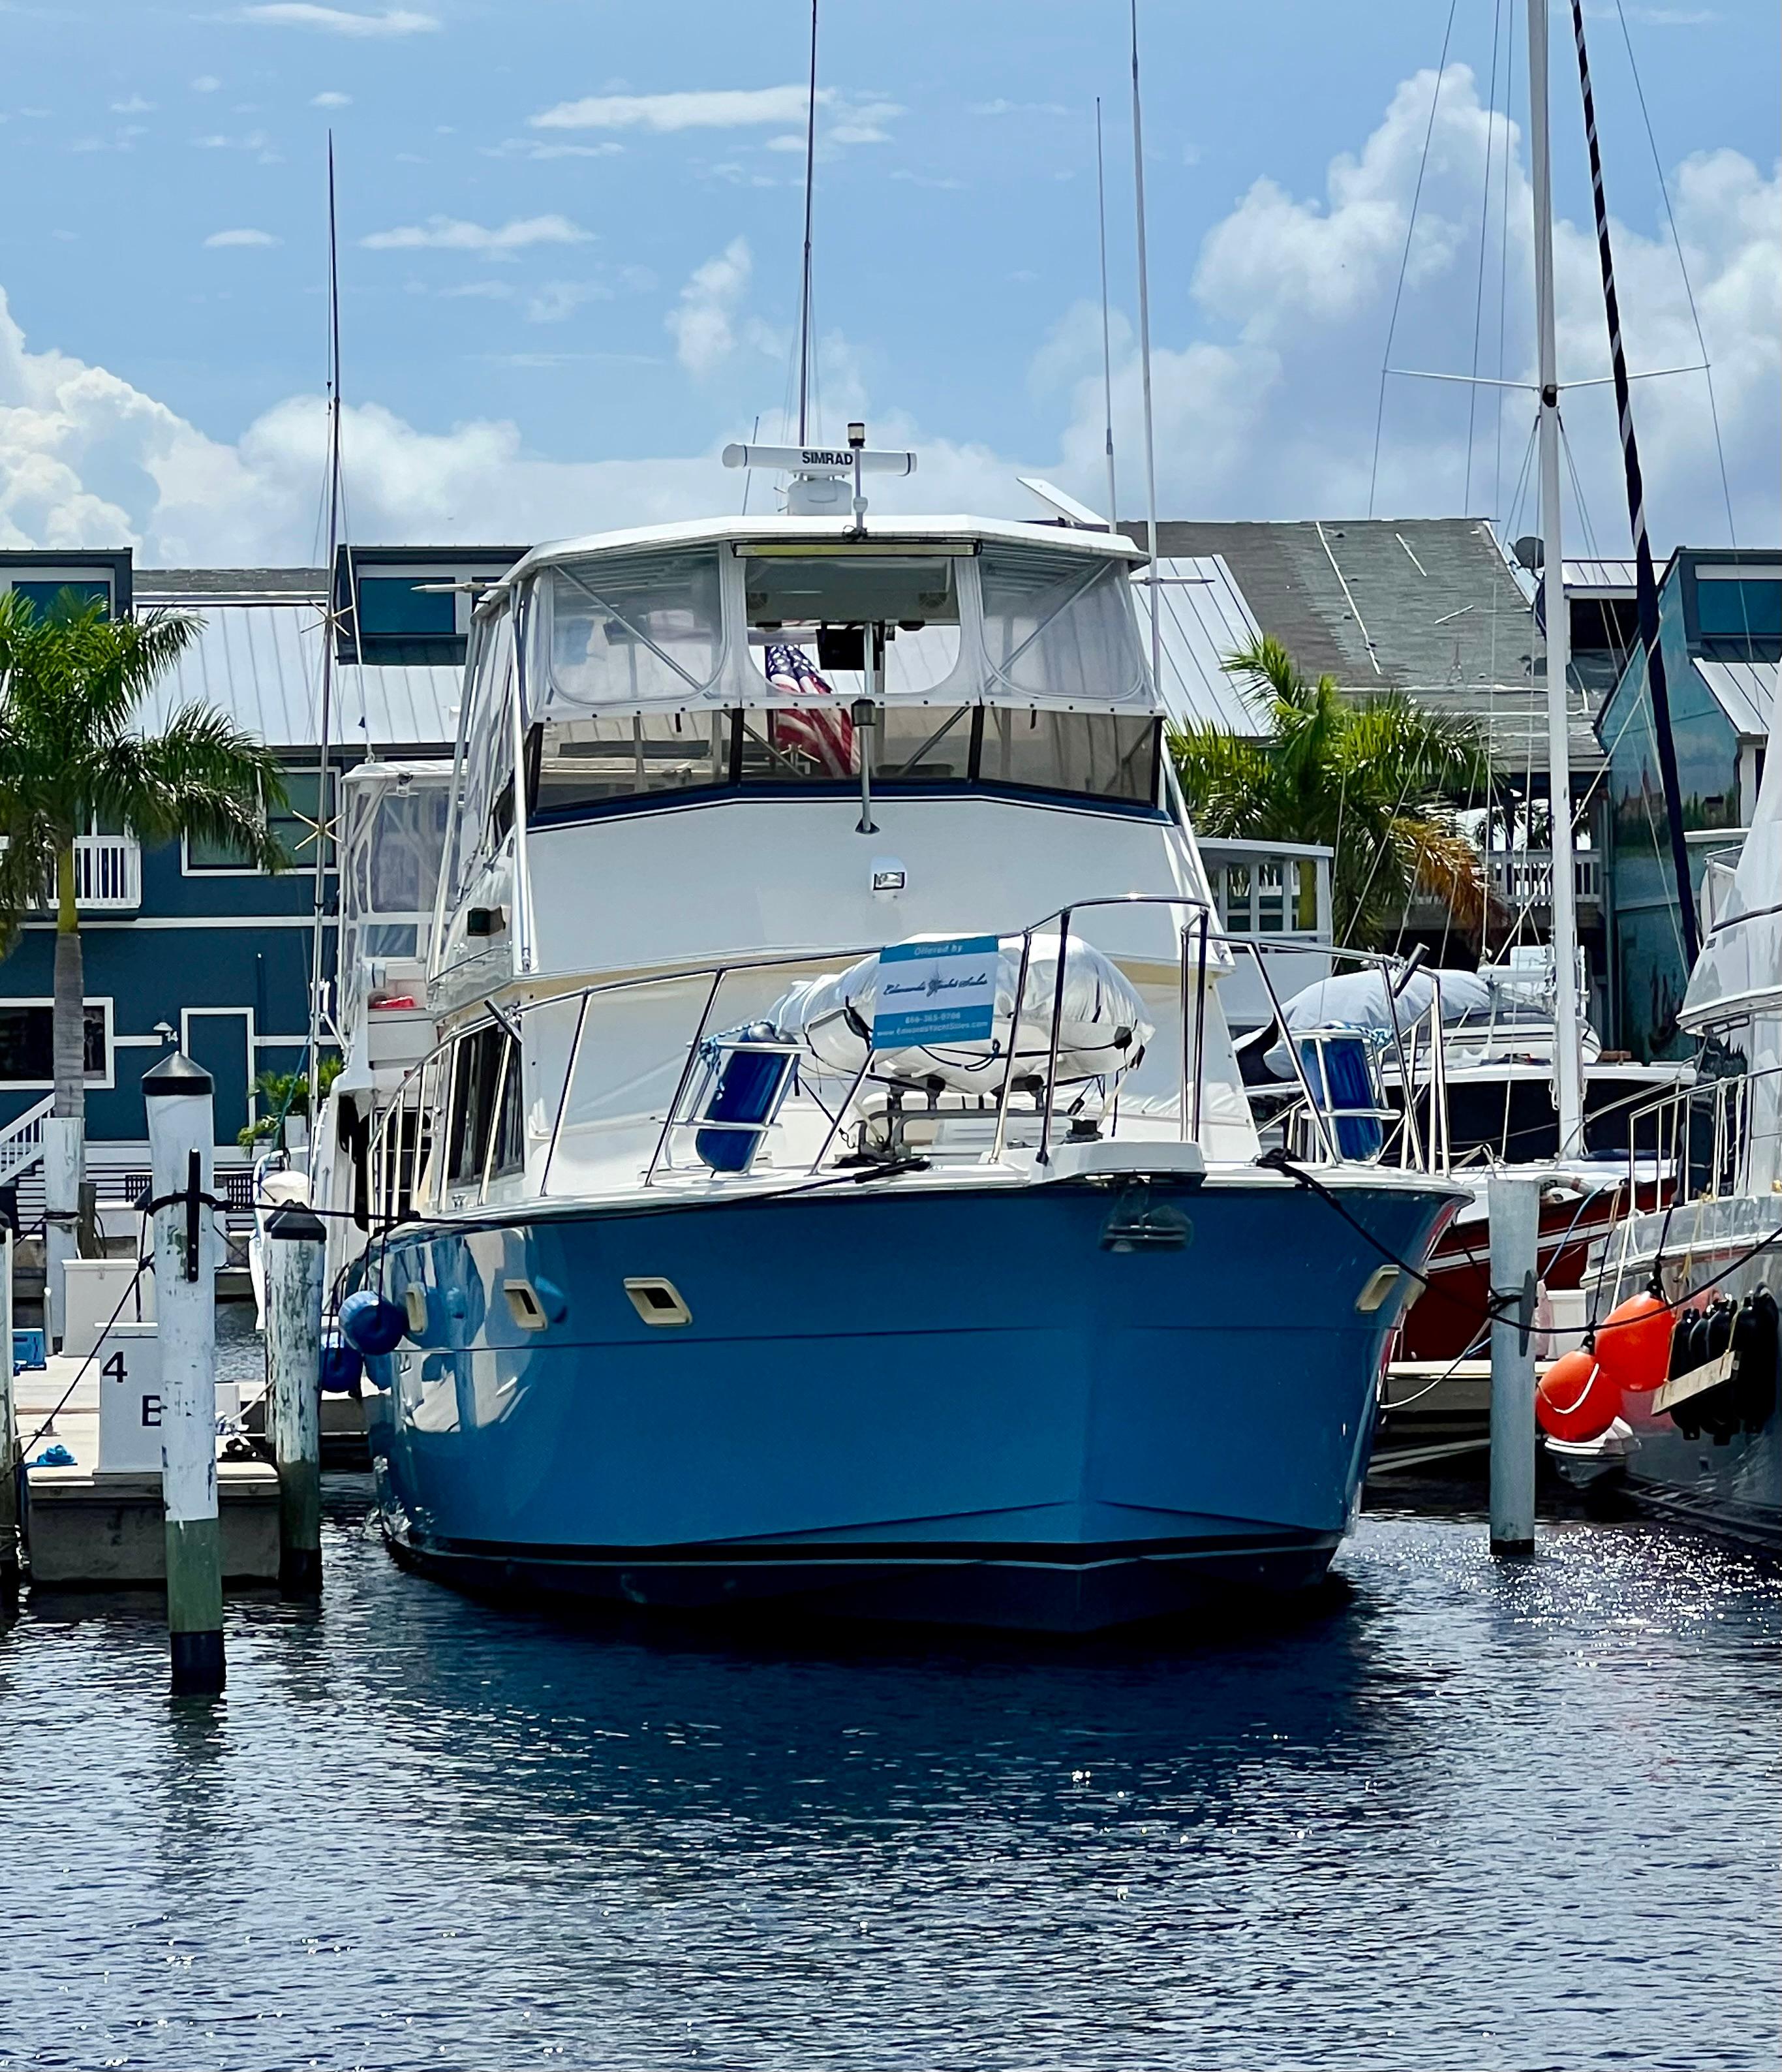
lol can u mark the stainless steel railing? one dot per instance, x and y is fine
(425, 1102)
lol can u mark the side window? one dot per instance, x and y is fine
(510, 1150)
(476, 1068)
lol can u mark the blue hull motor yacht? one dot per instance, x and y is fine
(831, 1187)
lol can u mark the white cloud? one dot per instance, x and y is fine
(331, 101)
(445, 233)
(135, 105)
(536, 148)
(1270, 413)
(207, 83)
(556, 300)
(723, 107)
(218, 239)
(489, 291)
(340, 20)
(255, 139)
(703, 322)
(1265, 391)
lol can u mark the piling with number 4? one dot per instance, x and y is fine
(294, 1267)
(177, 1096)
(1513, 1203)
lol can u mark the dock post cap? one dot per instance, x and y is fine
(177, 1074)
(298, 1223)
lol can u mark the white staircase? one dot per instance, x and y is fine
(22, 1140)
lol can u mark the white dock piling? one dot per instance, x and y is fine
(9, 1435)
(1513, 1203)
(294, 1267)
(63, 1164)
(178, 1096)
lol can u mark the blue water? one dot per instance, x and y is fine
(1497, 1815)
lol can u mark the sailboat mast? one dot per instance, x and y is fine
(804, 283)
(1107, 355)
(1567, 1064)
(1645, 579)
(319, 916)
(1144, 364)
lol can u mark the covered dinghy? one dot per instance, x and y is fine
(1102, 1027)
(1357, 1000)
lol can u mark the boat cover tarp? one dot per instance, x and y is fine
(1357, 1000)
(1102, 1030)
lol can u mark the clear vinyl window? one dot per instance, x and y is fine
(629, 630)
(1057, 629)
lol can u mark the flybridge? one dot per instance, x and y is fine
(820, 474)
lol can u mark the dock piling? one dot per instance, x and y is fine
(295, 1263)
(1513, 1203)
(8, 1440)
(177, 1096)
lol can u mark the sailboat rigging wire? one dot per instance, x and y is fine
(1144, 363)
(1645, 579)
(318, 918)
(1484, 226)
(1404, 261)
(1688, 291)
(810, 192)
(1107, 356)
(1503, 261)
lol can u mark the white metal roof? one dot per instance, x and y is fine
(261, 663)
(1203, 616)
(1596, 577)
(1746, 691)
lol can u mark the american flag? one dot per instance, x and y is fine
(825, 735)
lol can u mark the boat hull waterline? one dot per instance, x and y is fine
(972, 1405)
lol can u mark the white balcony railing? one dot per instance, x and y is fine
(1524, 876)
(108, 875)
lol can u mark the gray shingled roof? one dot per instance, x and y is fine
(179, 585)
(1426, 605)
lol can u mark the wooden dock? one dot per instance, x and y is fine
(98, 1531)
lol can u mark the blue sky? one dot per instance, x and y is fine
(569, 249)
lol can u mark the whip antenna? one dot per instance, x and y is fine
(804, 289)
(1144, 363)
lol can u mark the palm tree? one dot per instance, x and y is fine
(70, 683)
(1370, 778)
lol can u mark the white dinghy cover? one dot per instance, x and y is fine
(1103, 1028)
(1357, 1000)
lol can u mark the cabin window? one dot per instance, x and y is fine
(1056, 631)
(1100, 755)
(632, 630)
(509, 1154)
(585, 759)
(488, 747)
(476, 1081)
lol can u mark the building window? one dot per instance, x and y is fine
(57, 600)
(394, 607)
(27, 1052)
(293, 824)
